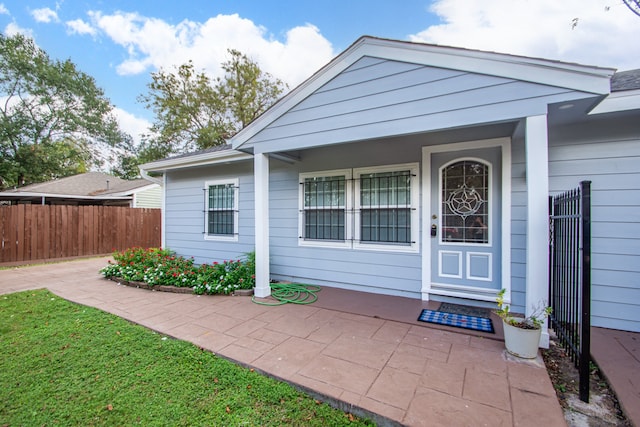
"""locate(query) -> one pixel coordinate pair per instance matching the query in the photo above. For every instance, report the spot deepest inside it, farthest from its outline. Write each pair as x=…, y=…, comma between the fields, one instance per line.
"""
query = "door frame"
x=505, y=154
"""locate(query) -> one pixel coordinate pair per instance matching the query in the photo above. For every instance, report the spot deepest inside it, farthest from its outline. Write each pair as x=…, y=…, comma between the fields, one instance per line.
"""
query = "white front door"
x=465, y=223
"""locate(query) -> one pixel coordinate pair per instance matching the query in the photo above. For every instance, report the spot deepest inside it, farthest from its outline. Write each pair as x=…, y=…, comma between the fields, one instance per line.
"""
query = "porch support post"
x=261, y=188
x=537, y=172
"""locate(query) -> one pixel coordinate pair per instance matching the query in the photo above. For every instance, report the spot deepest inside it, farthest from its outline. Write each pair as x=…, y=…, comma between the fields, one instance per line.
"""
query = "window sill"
x=221, y=238
x=413, y=248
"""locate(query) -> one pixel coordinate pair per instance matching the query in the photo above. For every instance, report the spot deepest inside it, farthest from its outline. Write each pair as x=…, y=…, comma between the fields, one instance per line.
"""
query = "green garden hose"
x=294, y=293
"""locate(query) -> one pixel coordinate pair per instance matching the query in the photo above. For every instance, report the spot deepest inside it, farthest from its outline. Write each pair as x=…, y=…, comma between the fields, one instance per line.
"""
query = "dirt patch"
x=603, y=408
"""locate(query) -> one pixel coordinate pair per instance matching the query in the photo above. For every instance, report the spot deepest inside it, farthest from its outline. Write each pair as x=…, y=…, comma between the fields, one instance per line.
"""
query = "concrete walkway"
x=617, y=354
x=398, y=373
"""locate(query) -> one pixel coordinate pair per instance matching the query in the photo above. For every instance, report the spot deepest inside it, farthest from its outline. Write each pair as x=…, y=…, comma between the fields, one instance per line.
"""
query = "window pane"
x=324, y=208
x=385, y=225
x=324, y=224
x=221, y=209
x=385, y=200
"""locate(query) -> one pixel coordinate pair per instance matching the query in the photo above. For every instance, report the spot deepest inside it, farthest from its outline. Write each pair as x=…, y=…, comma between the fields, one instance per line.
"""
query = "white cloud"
x=134, y=126
x=12, y=29
x=152, y=44
x=603, y=34
x=78, y=26
x=4, y=10
x=45, y=15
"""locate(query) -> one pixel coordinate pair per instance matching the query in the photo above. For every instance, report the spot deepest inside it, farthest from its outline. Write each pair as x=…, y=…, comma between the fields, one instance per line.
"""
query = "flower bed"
x=157, y=267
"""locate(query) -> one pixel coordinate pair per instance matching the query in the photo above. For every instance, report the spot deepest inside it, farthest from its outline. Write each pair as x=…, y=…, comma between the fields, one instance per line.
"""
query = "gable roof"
x=87, y=186
x=587, y=79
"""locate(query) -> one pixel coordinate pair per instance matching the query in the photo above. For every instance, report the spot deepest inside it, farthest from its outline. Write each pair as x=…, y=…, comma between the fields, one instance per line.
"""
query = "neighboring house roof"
x=625, y=80
x=87, y=186
x=625, y=93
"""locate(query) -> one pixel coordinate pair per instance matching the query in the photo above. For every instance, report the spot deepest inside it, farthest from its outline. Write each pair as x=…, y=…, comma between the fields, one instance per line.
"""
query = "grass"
x=66, y=364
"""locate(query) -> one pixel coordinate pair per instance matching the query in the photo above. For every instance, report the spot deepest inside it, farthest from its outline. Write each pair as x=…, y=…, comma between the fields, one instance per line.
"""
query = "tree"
x=54, y=120
x=193, y=111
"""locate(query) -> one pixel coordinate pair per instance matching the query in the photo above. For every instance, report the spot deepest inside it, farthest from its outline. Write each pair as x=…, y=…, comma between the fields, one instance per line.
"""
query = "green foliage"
x=156, y=266
x=533, y=321
x=194, y=112
x=54, y=120
x=66, y=364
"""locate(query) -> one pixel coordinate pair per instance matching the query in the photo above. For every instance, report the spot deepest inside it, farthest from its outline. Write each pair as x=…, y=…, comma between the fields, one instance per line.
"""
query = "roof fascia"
x=204, y=159
x=18, y=194
x=618, y=101
x=578, y=77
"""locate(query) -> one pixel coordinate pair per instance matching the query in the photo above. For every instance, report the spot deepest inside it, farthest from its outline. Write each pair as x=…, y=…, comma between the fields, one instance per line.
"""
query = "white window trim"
x=337, y=244
x=352, y=218
x=414, y=246
x=222, y=237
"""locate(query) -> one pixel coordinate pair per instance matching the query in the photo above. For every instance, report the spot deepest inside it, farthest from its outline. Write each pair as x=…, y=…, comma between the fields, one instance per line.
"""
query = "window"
x=377, y=209
x=387, y=207
x=221, y=213
x=324, y=203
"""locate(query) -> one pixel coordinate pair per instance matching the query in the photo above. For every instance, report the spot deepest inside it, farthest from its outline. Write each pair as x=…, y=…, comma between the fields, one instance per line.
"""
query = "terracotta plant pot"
x=521, y=342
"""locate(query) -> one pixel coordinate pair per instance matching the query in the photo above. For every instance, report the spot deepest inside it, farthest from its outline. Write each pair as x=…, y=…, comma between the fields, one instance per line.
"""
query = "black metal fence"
x=570, y=276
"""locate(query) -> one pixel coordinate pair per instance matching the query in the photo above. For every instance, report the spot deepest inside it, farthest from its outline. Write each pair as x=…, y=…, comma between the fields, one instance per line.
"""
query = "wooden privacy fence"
x=32, y=233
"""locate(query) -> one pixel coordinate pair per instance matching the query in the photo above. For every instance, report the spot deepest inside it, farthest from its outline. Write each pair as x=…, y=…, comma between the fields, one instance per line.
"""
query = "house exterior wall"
x=377, y=98
x=151, y=198
x=185, y=213
x=375, y=271
x=606, y=152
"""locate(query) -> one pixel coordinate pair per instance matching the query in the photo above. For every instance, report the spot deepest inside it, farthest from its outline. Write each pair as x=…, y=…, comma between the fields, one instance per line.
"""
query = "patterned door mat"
x=448, y=307
x=474, y=323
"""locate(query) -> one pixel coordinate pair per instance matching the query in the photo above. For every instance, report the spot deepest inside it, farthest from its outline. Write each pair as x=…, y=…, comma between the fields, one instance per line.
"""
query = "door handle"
x=434, y=230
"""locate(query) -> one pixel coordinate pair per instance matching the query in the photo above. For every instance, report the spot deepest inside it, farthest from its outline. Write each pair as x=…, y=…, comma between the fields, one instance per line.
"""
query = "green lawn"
x=66, y=364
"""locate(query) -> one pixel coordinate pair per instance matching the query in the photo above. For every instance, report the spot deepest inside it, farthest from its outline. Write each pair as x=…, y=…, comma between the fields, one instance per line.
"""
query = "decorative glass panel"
x=465, y=208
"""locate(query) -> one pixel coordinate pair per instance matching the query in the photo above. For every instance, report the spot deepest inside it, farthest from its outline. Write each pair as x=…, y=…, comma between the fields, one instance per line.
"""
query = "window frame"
x=353, y=207
x=234, y=182
x=326, y=243
x=414, y=206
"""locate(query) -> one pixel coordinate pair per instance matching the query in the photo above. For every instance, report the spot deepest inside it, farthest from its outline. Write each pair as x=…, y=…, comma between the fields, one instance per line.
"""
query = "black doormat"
x=474, y=323
x=465, y=309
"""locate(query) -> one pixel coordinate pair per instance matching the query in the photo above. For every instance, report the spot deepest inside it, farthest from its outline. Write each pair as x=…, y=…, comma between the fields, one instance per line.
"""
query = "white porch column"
x=537, y=167
x=261, y=188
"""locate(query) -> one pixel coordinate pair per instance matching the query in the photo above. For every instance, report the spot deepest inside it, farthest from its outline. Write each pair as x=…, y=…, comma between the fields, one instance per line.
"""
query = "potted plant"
x=521, y=334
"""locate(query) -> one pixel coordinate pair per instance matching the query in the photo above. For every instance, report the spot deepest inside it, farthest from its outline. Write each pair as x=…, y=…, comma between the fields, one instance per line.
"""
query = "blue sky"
x=120, y=43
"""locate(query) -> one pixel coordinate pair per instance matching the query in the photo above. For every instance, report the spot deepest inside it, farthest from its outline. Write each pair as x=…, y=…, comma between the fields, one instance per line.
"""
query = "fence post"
x=585, y=351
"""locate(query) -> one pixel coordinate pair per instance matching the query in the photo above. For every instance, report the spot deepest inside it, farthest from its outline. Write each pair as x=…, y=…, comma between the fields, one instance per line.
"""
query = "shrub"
x=156, y=266
x=226, y=277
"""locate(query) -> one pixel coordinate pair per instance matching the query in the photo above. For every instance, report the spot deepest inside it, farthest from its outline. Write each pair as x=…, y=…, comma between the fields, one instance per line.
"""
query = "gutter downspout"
x=145, y=175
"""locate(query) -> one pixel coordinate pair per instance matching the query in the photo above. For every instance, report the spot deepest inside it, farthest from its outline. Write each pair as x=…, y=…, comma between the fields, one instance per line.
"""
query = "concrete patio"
x=365, y=354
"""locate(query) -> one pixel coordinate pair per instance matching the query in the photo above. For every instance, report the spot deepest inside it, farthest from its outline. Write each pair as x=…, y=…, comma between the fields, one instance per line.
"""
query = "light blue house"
x=423, y=171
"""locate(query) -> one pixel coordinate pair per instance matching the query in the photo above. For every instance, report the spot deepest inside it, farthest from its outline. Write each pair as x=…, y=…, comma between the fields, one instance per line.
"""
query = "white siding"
x=151, y=198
